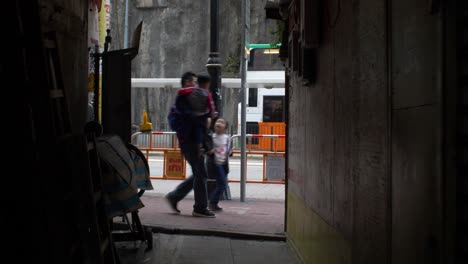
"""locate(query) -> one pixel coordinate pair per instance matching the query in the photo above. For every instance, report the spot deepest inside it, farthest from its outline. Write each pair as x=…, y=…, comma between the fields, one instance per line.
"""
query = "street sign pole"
x=244, y=59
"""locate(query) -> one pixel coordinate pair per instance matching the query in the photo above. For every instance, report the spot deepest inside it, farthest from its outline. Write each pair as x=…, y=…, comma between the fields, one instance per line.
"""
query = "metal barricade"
x=174, y=165
x=155, y=141
x=166, y=142
x=267, y=157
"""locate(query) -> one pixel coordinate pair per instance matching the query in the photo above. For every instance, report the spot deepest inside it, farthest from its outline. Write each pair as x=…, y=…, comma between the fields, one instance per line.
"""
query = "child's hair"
x=225, y=122
x=202, y=79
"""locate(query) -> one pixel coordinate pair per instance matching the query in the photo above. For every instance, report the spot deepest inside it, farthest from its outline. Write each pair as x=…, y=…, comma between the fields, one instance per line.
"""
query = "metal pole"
x=126, y=26
x=213, y=64
x=243, y=178
x=243, y=130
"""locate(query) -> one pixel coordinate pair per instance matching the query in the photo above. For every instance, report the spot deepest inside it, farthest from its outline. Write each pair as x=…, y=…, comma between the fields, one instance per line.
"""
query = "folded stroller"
x=125, y=176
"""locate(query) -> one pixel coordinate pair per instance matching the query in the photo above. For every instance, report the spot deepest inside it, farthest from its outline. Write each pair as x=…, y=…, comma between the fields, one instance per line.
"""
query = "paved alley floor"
x=183, y=249
x=257, y=217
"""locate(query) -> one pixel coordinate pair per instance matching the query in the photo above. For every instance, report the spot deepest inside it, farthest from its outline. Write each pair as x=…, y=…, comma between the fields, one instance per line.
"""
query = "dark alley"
x=268, y=131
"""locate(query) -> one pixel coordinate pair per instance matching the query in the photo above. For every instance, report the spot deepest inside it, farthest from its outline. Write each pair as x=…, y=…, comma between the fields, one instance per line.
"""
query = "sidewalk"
x=254, y=217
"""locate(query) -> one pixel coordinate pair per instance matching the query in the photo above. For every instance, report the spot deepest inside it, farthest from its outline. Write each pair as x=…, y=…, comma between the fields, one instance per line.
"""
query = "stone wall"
x=175, y=39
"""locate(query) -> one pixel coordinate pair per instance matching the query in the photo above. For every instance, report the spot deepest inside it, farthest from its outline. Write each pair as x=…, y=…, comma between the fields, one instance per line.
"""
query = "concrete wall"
x=368, y=189
x=176, y=35
x=175, y=39
x=417, y=80
x=338, y=195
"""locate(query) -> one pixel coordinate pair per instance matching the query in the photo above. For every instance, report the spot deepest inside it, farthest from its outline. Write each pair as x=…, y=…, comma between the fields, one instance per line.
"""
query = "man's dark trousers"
x=197, y=181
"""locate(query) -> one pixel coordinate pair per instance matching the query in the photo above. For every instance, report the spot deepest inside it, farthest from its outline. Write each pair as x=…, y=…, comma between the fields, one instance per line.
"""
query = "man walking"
x=193, y=105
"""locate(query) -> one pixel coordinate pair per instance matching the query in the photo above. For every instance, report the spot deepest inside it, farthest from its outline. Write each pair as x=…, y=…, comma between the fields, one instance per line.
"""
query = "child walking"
x=222, y=151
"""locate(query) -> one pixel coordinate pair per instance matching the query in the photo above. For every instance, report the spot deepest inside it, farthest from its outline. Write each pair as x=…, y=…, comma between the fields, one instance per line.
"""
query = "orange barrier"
x=274, y=128
x=174, y=165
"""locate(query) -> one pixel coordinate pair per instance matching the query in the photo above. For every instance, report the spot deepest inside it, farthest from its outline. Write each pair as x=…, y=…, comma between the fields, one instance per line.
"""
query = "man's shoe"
x=172, y=203
x=205, y=213
x=215, y=208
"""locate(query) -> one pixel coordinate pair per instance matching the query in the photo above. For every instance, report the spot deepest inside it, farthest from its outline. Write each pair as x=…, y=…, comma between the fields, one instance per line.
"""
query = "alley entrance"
x=150, y=95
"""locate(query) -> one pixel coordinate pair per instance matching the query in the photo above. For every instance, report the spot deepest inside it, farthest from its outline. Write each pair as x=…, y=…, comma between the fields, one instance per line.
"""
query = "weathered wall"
x=176, y=35
x=175, y=39
x=370, y=187
x=338, y=142
x=69, y=20
x=416, y=134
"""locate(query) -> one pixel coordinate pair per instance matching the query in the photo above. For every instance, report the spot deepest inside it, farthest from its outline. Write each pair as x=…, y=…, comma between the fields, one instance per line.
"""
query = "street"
x=254, y=167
